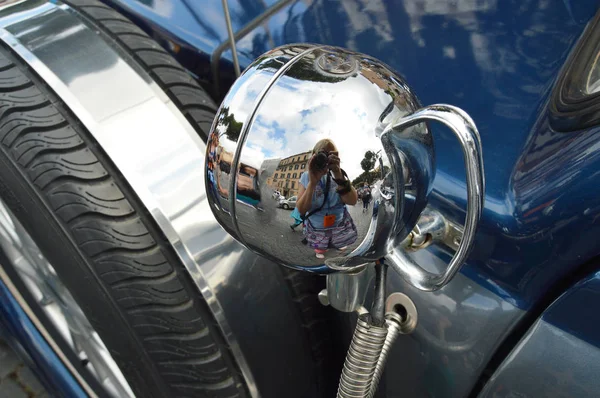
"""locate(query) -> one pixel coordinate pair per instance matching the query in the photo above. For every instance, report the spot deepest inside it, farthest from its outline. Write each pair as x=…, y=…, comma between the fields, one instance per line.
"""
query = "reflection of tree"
x=233, y=127
x=368, y=161
x=370, y=176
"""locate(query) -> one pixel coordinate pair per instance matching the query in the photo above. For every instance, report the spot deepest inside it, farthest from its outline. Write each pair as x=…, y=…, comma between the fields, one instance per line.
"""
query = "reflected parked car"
x=289, y=203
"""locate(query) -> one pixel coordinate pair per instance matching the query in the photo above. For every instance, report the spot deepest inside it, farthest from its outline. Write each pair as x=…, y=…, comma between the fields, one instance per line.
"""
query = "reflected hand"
x=334, y=164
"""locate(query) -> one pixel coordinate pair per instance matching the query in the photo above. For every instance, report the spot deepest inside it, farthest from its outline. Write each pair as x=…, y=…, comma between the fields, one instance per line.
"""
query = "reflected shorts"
x=340, y=236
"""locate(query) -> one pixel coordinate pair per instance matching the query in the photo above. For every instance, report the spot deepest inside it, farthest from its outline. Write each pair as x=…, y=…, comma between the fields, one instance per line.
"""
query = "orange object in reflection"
x=329, y=220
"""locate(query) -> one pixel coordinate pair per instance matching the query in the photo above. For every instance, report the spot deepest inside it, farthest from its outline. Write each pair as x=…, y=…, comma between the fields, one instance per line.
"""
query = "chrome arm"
x=236, y=63
x=466, y=132
x=234, y=37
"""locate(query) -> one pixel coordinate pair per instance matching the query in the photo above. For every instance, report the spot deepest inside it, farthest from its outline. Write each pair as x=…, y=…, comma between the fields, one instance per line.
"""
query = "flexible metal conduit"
x=362, y=358
x=393, y=321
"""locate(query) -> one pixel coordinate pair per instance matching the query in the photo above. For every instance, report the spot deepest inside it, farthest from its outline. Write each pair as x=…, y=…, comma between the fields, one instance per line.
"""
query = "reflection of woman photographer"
x=324, y=193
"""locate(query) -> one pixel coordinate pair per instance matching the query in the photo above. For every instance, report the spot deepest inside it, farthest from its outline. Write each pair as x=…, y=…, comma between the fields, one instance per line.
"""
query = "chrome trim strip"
x=167, y=173
x=235, y=163
x=42, y=330
x=236, y=62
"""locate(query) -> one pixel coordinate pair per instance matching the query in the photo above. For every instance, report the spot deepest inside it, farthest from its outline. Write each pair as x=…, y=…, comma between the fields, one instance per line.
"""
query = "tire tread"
x=165, y=71
x=68, y=172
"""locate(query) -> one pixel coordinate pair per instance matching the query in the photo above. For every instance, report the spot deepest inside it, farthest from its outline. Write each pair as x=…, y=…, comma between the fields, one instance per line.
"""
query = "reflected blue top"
x=334, y=203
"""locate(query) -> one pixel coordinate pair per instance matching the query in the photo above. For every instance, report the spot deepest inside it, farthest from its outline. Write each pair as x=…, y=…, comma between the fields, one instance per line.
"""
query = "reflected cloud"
x=315, y=146
x=307, y=113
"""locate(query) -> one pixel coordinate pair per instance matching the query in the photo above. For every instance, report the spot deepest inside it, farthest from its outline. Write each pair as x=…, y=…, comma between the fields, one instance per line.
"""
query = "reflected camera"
x=320, y=161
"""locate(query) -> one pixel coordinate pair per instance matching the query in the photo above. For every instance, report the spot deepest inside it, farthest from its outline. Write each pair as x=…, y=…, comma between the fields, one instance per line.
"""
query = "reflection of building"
x=224, y=160
x=269, y=166
x=286, y=179
x=248, y=190
x=378, y=75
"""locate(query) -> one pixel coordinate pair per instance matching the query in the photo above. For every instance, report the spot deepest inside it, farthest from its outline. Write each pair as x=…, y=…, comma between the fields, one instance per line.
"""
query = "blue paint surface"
x=576, y=311
x=496, y=59
x=18, y=329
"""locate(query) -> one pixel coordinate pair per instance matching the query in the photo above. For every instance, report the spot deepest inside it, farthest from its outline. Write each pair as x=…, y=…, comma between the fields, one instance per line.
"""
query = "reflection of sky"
x=295, y=115
x=275, y=133
x=243, y=96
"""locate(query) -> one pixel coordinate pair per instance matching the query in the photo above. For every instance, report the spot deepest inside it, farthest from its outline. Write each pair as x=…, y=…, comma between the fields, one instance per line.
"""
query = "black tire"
x=317, y=322
x=103, y=243
x=285, y=206
x=196, y=104
x=321, y=328
x=201, y=365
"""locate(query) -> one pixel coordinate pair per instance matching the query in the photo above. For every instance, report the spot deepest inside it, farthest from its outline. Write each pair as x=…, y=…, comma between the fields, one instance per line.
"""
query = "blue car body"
x=530, y=281
x=498, y=60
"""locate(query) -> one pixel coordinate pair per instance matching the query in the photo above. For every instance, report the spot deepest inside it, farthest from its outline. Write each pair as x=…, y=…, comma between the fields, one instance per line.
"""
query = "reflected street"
x=333, y=138
x=279, y=239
